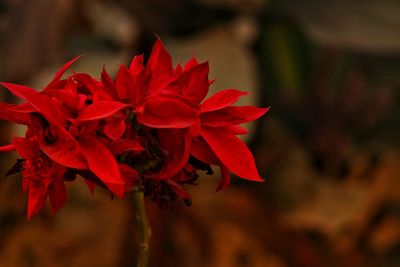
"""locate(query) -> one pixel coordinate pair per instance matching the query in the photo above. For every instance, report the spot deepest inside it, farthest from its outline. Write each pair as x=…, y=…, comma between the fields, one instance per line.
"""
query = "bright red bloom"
x=149, y=128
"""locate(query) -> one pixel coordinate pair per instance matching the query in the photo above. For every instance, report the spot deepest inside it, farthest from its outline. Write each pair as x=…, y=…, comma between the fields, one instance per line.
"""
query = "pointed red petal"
x=7, y=148
x=100, y=109
x=165, y=111
x=232, y=152
x=114, y=128
x=22, y=108
x=225, y=178
x=108, y=84
x=197, y=87
x=178, y=189
x=8, y=113
x=91, y=186
x=57, y=194
x=136, y=65
x=232, y=115
x=64, y=68
x=124, y=83
x=222, y=99
x=202, y=151
x=191, y=63
x=49, y=109
x=64, y=149
x=160, y=62
x=176, y=143
x=124, y=145
x=36, y=199
x=102, y=163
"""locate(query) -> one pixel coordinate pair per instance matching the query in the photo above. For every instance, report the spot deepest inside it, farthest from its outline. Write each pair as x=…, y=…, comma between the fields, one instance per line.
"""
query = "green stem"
x=145, y=229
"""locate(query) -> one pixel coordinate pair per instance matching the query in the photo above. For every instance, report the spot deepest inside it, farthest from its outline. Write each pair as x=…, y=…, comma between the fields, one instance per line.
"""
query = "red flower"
x=139, y=86
x=68, y=121
x=150, y=128
x=42, y=177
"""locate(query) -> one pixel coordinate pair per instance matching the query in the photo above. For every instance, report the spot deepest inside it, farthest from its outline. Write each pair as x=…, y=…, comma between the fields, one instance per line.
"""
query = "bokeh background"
x=328, y=148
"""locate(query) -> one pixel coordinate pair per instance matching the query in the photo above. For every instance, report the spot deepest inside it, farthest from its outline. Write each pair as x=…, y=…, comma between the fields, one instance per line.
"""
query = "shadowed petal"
x=225, y=179
x=108, y=84
x=40, y=102
x=202, y=151
x=114, y=128
x=176, y=143
x=124, y=145
x=36, y=199
x=100, y=109
x=8, y=113
x=166, y=112
x=57, y=194
x=25, y=148
x=197, y=87
x=64, y=149
x=102, y=163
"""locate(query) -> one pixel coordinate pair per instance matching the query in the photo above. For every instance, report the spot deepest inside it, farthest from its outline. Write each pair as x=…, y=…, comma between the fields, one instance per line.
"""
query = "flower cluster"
x=150, y=128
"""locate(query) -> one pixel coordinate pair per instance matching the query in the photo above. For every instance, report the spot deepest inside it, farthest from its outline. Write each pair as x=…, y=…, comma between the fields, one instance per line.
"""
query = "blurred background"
x=328, y=148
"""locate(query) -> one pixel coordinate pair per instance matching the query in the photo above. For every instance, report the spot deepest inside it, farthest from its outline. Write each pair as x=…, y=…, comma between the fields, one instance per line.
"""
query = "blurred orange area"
x=328, y=148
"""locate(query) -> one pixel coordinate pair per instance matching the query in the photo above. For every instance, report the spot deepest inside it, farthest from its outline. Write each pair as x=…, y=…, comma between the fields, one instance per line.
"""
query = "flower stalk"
x=145, y=228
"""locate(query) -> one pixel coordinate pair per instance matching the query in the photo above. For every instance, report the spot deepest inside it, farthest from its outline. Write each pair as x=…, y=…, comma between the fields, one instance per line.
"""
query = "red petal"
x=22, y=108
x=165, y=111
x=25, y=148
x=222, y=99
x=7, y=148
x=124, y=145
x=225, y=178
x=232, y=152
x=160, y=62
x=8, y=113
x=91, y=185
x=176, y=143
x=124, y=83
x=87, y=82
x=202, y=151
x=191, y=63
x=136, y=65
x=100, y=109
x=178, y=189
x=36, y=199
x=114, y=128
x=232, y=115
x=235, y=129
x=65, y=96
x=65, y=149
x=102, y=163
x=64, y=68
x=197, y=87
x=108, y=84
x=40, y=102
x=57, y=194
